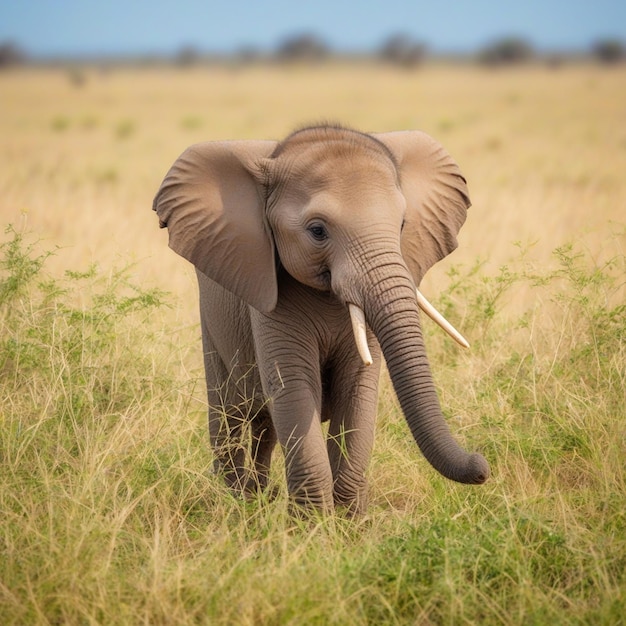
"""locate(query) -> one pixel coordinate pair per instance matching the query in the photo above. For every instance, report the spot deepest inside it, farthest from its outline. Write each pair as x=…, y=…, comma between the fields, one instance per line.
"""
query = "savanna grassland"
x=108, y=511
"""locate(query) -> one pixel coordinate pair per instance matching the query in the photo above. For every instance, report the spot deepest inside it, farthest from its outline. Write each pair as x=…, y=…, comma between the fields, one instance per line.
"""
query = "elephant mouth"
x=324, y=278
x=357, y=317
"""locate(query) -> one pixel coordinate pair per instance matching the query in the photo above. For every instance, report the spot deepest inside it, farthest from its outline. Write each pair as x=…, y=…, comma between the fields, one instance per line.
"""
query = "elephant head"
x=363, y=216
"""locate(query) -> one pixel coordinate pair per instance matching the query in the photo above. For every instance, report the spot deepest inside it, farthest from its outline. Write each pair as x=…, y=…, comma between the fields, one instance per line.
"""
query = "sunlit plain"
x=84, y=152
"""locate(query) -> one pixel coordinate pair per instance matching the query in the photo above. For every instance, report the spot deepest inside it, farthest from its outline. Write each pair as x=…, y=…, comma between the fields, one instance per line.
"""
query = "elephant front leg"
x=263, y=443
x=226, y=428
x=296, y=417
x=288, y=359
x=228, y=422
x=351, y=405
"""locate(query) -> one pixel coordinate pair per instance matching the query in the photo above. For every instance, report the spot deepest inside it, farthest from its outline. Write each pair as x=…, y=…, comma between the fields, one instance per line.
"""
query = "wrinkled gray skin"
x=284, y=236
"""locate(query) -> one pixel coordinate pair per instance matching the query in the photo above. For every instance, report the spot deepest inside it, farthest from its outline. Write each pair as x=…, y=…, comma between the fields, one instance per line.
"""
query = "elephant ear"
x=212, y=203
x=436, y=195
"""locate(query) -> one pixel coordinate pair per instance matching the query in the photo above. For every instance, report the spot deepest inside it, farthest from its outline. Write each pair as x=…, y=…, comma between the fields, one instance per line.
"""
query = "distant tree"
x=608, y=51
x=10, y=54
x=305, y=47
x=506, y=51
x=403, y=50
x=77, y=77
x=248, y=54
x=556, y=60
x=187, y=56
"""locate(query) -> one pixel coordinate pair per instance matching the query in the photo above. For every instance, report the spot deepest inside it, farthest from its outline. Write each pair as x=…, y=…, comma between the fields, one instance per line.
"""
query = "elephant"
x=308, y=254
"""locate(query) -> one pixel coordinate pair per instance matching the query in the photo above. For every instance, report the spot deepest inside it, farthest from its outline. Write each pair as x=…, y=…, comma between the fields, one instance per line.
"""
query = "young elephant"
x=301, y=247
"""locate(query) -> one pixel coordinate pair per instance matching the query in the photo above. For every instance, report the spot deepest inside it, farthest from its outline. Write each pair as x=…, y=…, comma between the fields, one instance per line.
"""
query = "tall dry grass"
x=108, y=511
x=543, y=150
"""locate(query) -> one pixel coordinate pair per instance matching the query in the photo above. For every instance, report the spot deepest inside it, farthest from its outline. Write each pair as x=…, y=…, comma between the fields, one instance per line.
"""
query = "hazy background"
x=86, y=28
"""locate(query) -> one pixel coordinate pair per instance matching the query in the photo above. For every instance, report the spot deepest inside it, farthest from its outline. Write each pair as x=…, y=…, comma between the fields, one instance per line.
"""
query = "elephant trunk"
x=391, y=311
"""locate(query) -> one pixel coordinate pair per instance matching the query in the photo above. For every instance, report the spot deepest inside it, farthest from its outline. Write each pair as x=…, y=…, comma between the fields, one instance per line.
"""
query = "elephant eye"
x=318, y=232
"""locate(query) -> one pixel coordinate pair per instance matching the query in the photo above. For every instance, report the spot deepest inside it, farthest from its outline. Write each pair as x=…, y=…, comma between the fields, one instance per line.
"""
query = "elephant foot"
x=253, y=491
x=312, y=513
x=243, y=486
x=354, y=508
x=351, y=511
x=351, y=500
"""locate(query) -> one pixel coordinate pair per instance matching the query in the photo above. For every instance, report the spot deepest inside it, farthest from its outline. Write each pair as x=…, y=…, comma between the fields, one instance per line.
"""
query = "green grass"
x=109, y=513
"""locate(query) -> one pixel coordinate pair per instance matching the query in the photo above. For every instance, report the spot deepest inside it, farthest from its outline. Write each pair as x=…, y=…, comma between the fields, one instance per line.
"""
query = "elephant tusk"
x=434, y=315
x=357, y=317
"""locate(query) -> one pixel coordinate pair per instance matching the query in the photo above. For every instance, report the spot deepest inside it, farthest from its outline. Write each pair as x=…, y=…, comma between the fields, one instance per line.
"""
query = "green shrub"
x=67, y=334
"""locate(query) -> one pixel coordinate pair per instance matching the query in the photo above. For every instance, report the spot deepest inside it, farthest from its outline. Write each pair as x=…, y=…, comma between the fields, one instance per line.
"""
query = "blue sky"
x=60, y=27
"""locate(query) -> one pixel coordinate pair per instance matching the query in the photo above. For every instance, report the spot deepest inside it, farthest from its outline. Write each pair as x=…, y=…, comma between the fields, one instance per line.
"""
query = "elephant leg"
x=288, y=345
x=226, y=433
x=263, y=442
x=228, y=423
x=351, y=404
x=296, y=416
x=293, y=386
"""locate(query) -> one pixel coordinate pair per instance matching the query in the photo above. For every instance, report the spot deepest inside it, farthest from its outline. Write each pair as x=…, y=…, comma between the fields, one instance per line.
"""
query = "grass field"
x=108, y=511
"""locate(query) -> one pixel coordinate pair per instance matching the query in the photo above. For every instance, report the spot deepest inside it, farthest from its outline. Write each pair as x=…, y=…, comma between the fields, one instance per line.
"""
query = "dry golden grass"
x=544, y=150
